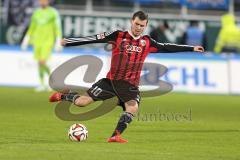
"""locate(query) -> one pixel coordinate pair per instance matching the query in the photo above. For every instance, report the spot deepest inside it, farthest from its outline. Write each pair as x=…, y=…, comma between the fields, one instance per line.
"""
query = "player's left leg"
x=131, y=108
x=129, y=99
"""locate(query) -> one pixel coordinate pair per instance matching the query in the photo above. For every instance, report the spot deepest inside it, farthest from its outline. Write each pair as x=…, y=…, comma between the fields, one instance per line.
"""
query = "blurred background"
x=193, y=22
x=200, y=116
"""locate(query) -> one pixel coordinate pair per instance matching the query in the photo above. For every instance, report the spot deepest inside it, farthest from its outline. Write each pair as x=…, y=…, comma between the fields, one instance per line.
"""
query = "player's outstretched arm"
x=170, y=47
x=80, y=41
x=99, y=38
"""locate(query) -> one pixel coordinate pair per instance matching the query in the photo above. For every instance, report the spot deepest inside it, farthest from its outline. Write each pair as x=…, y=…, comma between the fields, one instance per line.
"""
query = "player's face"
x=138, y=26
x=44, y=3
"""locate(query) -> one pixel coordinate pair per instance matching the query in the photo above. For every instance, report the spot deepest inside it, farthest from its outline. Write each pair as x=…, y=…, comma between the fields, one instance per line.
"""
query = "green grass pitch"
x=205, y=127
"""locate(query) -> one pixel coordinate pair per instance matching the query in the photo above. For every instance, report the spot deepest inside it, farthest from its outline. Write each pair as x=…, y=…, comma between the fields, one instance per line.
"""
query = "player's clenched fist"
x=198, y=49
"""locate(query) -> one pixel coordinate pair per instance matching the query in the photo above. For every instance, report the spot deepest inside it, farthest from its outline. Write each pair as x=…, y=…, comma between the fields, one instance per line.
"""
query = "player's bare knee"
x=131, y=103
x=131, y=106
x=134, y=109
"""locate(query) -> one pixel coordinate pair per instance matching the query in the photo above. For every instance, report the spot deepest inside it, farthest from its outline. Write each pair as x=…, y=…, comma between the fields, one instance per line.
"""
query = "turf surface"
x=197, y=127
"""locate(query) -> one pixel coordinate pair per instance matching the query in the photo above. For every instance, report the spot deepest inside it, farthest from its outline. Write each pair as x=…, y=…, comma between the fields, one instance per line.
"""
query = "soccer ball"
x=78, y=132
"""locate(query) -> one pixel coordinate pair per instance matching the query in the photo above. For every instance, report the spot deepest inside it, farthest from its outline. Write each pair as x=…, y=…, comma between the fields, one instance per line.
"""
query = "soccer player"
x=44, y=31
x=128, y=55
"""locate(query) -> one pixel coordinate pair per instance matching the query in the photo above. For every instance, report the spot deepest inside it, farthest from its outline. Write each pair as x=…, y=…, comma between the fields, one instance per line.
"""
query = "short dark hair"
x=141, y=15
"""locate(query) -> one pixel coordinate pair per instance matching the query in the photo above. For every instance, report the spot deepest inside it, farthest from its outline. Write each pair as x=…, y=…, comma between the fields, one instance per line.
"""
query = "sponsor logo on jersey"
x=132, y=48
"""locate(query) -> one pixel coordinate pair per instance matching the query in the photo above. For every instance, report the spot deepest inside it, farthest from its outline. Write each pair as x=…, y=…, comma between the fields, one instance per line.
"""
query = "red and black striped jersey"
x=128, y=52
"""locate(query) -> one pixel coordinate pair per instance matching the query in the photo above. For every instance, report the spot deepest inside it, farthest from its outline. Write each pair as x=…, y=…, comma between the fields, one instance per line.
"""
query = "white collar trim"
x=129, y=32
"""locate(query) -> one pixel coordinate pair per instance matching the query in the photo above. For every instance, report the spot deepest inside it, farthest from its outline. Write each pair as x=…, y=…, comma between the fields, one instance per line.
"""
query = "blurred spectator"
x=17, y=14
x=162, y=33
x=229, y=36
x=194, y=35
x=20, y=11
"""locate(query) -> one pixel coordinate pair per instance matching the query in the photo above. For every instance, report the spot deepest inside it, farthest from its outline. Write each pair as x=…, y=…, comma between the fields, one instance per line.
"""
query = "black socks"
x=71, y=97
x=123, y=122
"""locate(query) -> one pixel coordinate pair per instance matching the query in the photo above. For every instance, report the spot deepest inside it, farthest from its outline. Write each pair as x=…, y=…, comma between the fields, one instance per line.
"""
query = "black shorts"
x=106, y=89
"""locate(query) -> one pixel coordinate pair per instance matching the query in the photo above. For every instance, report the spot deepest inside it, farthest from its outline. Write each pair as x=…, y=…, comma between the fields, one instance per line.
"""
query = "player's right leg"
x=101, y=90
x=73, y=97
